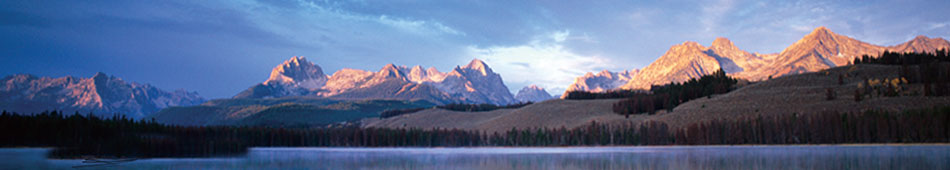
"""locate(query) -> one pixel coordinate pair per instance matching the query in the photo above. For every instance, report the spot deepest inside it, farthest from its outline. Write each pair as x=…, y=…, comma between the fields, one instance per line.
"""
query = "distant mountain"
x=472, y=83
x=921, y=44
x=602, y=81
x=100, y=94
x=820, y=49
x=532, y=93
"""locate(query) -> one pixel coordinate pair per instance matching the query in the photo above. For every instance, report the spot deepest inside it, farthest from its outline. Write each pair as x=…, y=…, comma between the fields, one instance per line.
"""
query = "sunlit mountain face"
x=472, y=83
x=101, y=94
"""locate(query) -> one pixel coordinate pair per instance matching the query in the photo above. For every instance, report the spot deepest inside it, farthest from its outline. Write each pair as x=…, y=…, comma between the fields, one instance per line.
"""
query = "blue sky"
x=219, y=48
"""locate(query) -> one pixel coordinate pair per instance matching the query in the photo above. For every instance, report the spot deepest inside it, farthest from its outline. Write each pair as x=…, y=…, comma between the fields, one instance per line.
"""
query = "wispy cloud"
x=418, y=26
x=932, y=26
x=552, y=66
x=407, y=24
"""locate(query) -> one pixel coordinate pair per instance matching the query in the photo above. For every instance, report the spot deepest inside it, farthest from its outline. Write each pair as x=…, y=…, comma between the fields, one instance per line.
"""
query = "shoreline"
x=583, y=146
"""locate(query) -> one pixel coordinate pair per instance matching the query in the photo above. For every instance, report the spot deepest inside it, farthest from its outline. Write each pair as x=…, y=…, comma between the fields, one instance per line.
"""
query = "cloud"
x=418, y=26
x=544, y=62
x=713, y=14
x=932, y=26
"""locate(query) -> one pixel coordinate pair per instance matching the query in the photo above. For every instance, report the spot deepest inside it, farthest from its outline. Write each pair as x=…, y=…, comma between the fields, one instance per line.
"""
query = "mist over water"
x=674, y=157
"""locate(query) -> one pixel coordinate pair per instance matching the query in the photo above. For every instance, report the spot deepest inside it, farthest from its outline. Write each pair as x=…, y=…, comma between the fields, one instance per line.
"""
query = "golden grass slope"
x=788, y=95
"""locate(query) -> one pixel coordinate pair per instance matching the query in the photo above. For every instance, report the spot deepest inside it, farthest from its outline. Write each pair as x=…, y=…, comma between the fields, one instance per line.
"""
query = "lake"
x=666, y=157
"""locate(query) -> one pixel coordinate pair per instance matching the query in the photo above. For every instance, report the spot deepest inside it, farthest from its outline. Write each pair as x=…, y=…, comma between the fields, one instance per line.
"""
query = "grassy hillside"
x=282, y=112
x=795, y=95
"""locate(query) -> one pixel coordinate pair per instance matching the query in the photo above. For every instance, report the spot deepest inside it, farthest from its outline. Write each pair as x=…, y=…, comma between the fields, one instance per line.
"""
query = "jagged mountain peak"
x=478, y=65
x=472, y=83
x=722, y=42
x=390, y=66
x=295, y=76
x=417, y=68
x=823, y=36
x=604, y=72
x=298, y=71
x=432, y=70
x=819, y=36
x=391, y=71
x=689, y=44
x=418, y=74
x=821, y=30
x=101, y=79
x=475, y=63
x=296, y=60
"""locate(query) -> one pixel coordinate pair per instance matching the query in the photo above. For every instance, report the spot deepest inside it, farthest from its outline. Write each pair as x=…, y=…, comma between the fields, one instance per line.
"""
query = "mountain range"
x=472, y=83
x=820, y=49
x=100, y=94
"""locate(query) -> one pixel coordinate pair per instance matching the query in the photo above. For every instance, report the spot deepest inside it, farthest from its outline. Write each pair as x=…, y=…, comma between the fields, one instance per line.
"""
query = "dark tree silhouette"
x=668, y=96
x=77, y=135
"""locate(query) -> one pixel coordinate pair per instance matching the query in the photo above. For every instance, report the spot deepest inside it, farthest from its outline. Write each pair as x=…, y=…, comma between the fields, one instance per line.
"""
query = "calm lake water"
x=676, y=157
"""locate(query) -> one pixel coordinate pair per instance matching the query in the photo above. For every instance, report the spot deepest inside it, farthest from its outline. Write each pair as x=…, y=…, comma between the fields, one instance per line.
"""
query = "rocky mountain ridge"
x=472, y=83
x=820, y=49
x=100, y=94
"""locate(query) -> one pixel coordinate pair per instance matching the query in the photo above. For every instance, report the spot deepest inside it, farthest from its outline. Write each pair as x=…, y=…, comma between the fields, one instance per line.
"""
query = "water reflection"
x=716, y=157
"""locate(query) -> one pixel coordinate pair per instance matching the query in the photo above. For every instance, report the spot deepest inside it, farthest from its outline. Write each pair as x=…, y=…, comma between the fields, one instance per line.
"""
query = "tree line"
x=78, y=135
x=610, y=94
x=662, y=97
x=455, y=107
x=930, y=69
x=481, y=107
x=667, y=97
